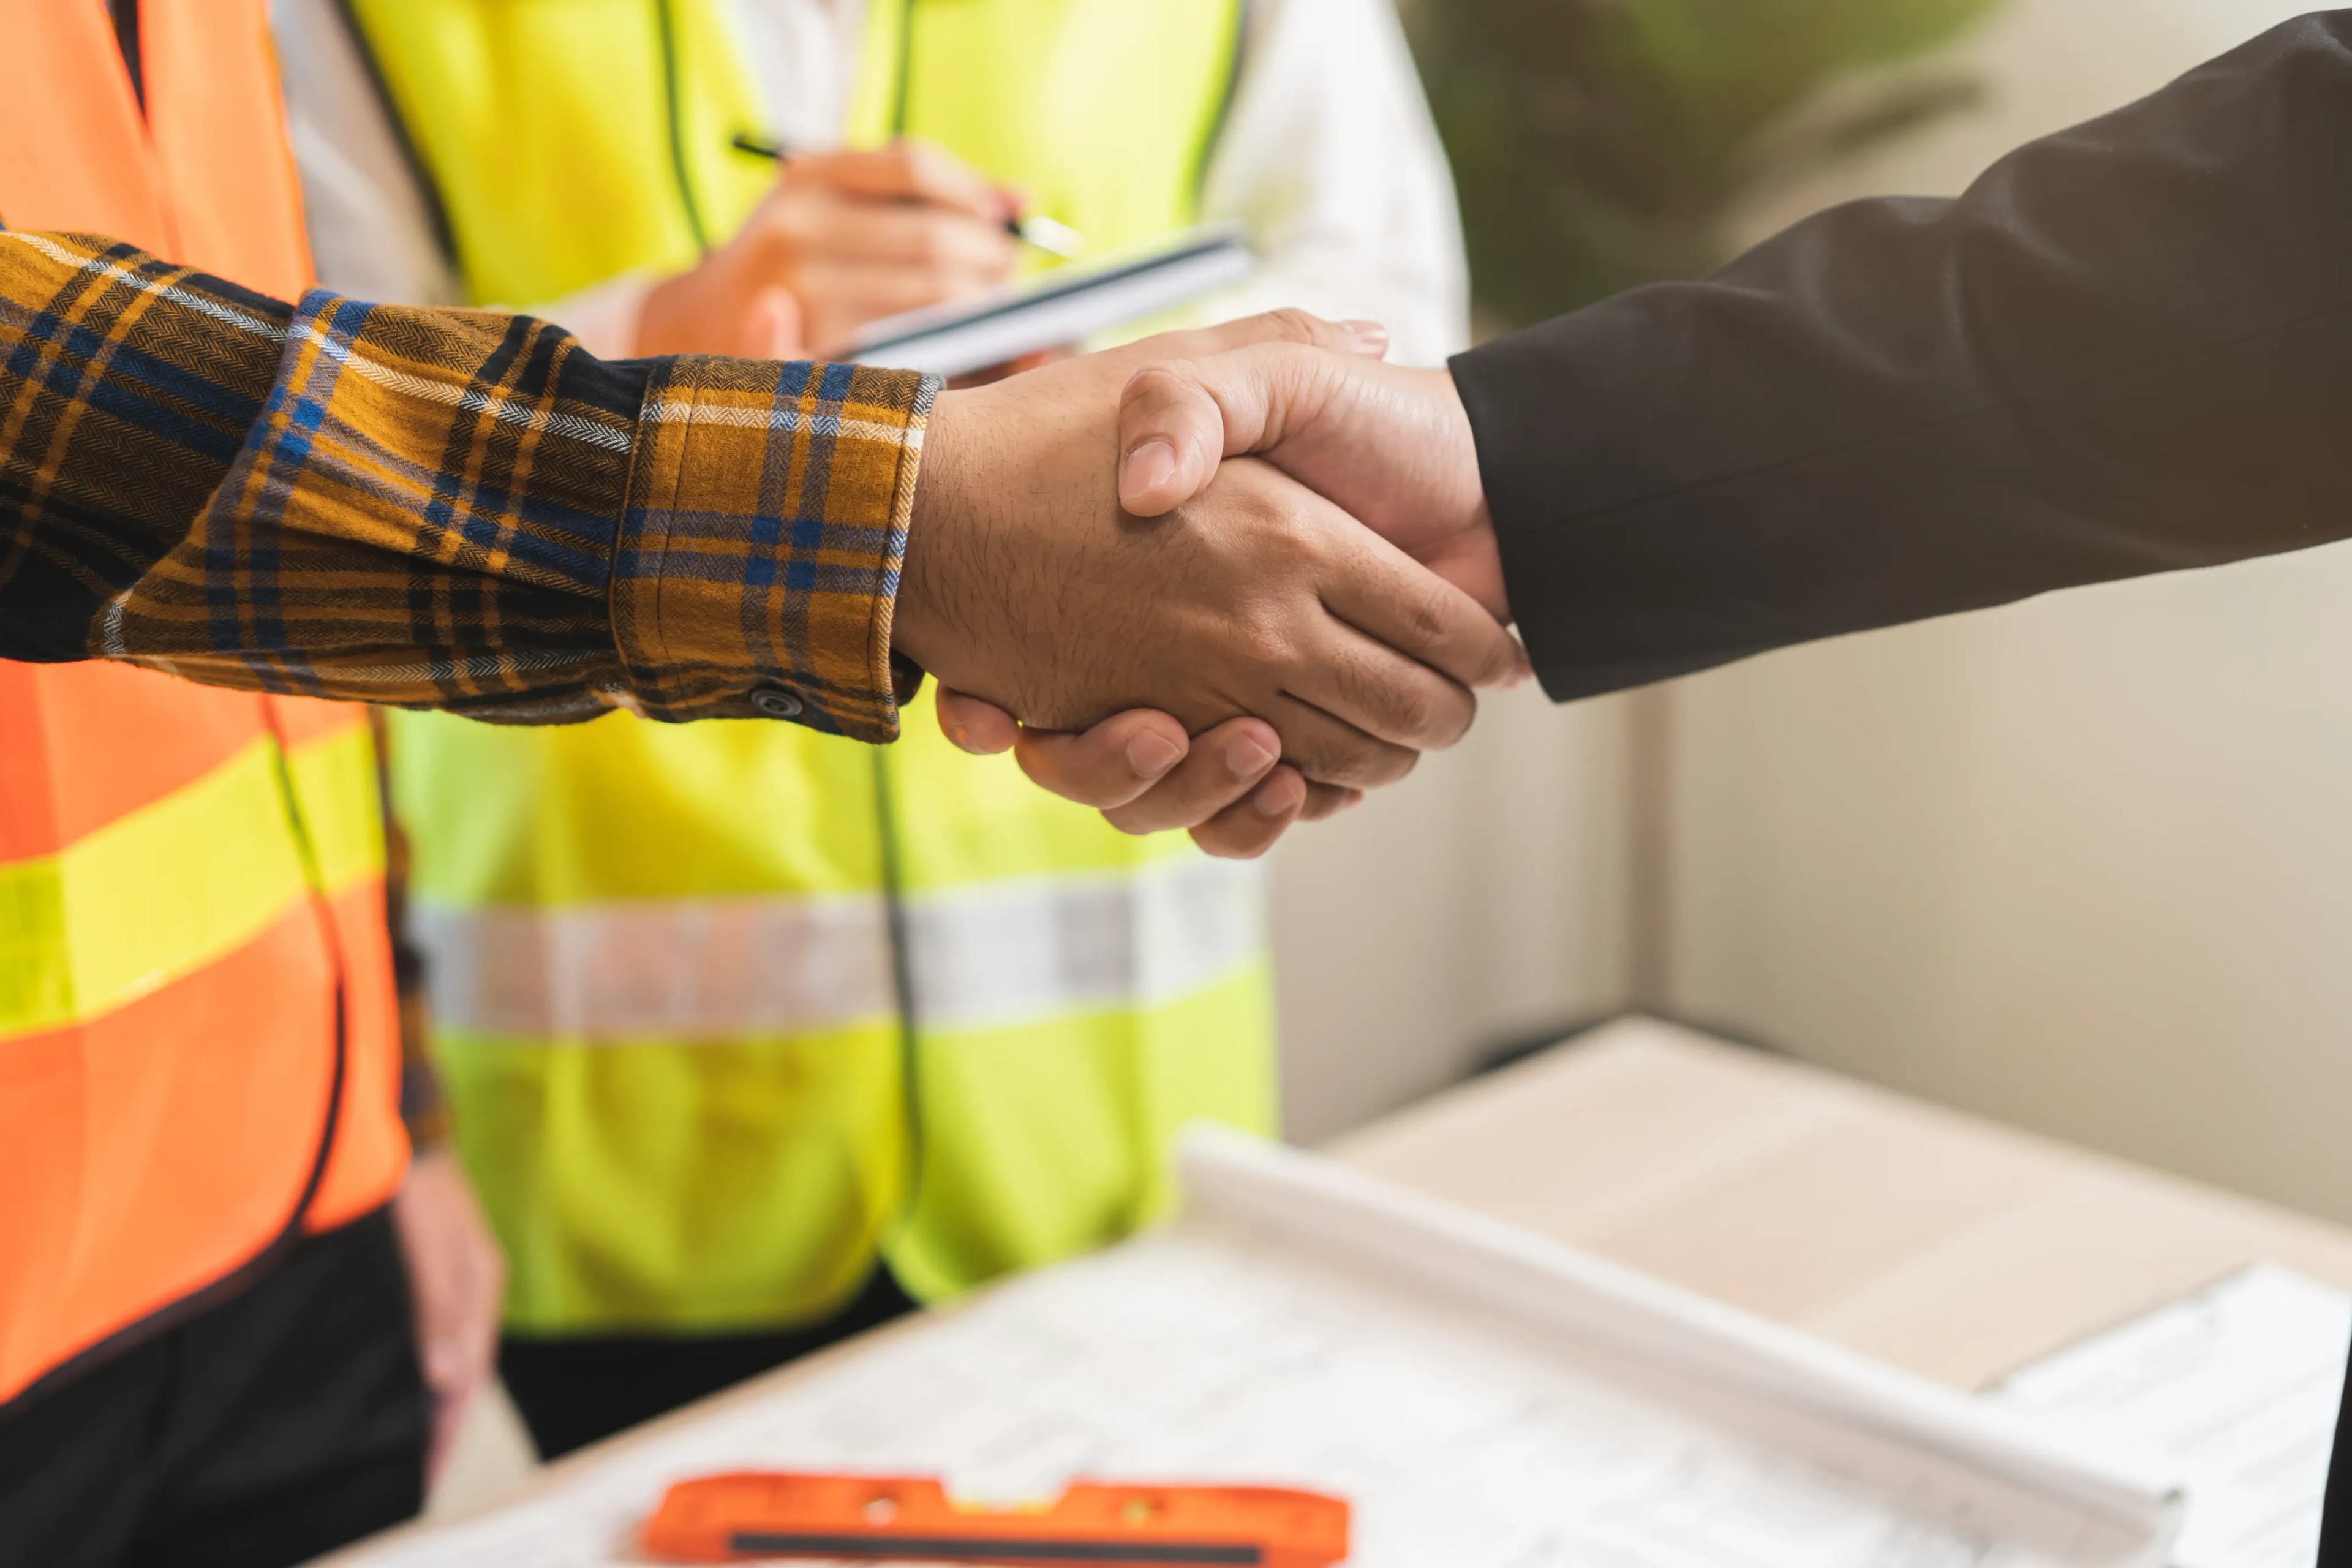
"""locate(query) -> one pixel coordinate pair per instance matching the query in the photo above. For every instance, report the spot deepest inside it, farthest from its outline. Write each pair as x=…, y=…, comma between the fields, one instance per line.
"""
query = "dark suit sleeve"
x=2127, y=349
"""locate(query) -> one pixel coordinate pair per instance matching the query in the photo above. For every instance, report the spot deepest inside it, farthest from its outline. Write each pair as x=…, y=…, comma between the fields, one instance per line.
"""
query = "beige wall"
x=2081, y=864
x=2084, y=864
x=1479, y=900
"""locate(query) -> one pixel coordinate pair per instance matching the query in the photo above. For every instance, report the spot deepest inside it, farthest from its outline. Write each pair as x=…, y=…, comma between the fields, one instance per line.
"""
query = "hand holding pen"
x=1049, y=235
x=844, y=238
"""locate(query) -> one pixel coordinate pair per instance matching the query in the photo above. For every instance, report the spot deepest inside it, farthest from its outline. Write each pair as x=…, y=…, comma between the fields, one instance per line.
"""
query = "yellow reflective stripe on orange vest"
x=341, y=800
x=161, y=892
x=984, y=955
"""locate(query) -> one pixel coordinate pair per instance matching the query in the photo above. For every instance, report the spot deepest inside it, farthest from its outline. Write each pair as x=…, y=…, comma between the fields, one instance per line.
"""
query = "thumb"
x=974, y=725
x=1179, y=419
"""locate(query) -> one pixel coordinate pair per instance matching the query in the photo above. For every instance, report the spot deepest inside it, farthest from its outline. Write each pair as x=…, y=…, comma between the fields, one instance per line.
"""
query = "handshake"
x=1265, y=567
x=1216, y=580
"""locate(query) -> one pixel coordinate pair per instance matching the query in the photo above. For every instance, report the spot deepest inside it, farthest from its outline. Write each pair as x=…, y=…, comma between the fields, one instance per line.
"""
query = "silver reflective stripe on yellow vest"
x=992, y=954
x=665, y=1000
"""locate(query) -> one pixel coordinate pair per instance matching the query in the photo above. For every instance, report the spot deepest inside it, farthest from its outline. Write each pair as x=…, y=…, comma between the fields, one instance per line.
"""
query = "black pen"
x=1048, y=234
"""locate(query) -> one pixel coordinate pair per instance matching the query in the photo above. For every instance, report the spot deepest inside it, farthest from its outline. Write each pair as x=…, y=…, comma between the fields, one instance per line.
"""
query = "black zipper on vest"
x=665, y=22
x=1244, y=13
x=902, y=80
x=428, y=189
x=437, y=205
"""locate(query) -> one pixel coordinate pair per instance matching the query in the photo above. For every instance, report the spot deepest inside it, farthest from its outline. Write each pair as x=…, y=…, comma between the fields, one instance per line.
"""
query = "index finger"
x=915, y=170
x=1289, y=325
x=1109, y=765
x=1249, y=827
x=1393, y=599
x=974, y=725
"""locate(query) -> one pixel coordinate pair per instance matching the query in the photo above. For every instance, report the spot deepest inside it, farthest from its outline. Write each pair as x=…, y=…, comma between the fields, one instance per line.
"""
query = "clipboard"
x=1067, y=305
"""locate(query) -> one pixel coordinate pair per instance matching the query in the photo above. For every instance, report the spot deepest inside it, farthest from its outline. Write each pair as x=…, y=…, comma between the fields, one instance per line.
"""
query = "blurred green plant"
x=1597, y=144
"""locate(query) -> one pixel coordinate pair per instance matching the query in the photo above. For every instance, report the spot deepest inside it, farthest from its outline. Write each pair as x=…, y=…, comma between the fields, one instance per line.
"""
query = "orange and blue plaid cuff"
x=446, y=509
x=765, y=530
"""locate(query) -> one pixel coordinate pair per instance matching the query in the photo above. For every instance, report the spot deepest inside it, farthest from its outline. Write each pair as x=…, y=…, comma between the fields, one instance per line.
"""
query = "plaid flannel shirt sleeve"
x=441, y=509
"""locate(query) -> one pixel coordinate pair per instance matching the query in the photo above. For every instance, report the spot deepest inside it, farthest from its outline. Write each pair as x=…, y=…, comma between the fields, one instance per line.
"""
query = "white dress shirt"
x=1327, y=154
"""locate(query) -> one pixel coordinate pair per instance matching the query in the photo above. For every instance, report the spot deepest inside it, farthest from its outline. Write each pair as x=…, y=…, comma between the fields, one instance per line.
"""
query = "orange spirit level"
x=772, y=1513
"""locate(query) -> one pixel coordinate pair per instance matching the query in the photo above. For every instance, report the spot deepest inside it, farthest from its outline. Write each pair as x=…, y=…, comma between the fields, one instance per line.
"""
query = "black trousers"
x=282, y=1424
x=575, y=1390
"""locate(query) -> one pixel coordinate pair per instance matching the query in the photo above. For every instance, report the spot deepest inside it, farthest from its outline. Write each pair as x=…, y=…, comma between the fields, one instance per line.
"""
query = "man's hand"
x=1026, y=586
x=456, y=1284
x=1391, y=446
x=1226, y=788
x=844, y=239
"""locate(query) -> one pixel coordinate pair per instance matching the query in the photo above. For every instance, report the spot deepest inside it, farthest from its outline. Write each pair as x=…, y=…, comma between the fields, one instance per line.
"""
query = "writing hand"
x=843, y=240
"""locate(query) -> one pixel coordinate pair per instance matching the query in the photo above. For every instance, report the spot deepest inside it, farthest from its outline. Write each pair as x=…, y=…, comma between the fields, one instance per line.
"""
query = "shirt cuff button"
x=776, y=704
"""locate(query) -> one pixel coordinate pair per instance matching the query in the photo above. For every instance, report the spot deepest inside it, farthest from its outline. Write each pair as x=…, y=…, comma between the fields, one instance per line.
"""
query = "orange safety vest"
x=199, y=1046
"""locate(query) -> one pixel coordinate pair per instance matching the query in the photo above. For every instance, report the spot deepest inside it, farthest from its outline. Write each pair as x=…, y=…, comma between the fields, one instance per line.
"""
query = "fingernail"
x=1247, y=758
x=1279, y=795
x=1149, y=466
x=956, y=733
x=1372, y=337
x=1151, y=753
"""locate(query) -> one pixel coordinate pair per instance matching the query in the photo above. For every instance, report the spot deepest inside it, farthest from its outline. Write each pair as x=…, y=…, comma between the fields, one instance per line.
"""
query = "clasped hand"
x=1217, y=580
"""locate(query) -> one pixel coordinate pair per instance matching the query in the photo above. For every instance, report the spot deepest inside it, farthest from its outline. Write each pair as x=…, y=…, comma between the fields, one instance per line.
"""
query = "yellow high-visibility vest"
x=667, y=996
